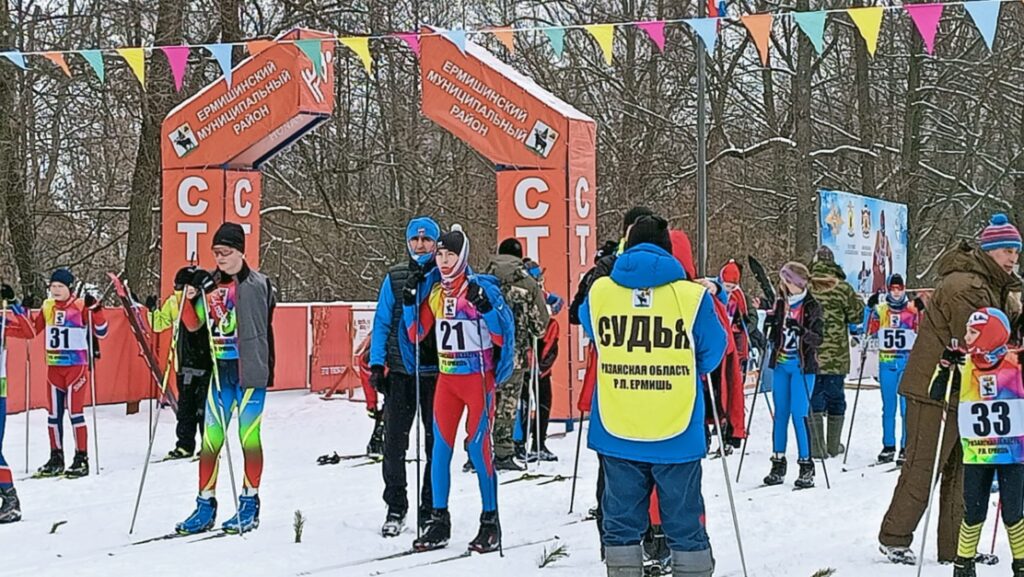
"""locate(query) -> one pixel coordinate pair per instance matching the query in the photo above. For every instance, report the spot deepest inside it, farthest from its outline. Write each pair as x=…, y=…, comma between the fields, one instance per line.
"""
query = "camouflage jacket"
x=526, y=298
x=841, y=307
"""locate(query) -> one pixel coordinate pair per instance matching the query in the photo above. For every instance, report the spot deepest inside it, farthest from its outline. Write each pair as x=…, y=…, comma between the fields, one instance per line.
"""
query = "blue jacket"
x=499, y=319
x=386, y=325
x=648, y=266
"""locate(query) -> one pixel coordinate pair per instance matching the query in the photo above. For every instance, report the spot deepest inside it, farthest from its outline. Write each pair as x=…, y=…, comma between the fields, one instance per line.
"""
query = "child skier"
x=797, y=328
x=475, y=336
x=65, y=320
x=13, y=324
x=991, y=397
x=241, y=305
x=894, y=323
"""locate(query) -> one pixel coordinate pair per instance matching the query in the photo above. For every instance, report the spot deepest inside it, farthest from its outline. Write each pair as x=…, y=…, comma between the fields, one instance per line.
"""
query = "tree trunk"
x=910, y=153
x=805, y=194
x=865, y=115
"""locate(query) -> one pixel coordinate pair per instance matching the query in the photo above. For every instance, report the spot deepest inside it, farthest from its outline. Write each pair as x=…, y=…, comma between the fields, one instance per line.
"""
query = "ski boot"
x=520, y=451
x=963, y=567
x=437, y=533
x=902, y=458
x=806, y=478
x=247, y=518
x=201, y=519
x=887, y=455
x=778, y=472
x=1018, y=567
x=898, y=555
x=54, y=467
x=657, y=555
x=375, y=448
x=178, y=453
x=986, y=559
x=468, y=467
x=488, y=538
x=544, y=455
x=393, y=525
x=10, y=507
x=508, y=463
x=79, y=467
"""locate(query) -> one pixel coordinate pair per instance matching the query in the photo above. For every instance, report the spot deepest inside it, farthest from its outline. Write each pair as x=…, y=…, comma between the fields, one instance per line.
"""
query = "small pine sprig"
x=826, y=572
x=298, y=525
x=56, y=526
x=553, y=556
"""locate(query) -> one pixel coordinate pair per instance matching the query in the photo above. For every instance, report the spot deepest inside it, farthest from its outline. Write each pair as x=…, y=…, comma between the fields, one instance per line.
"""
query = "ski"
x=555, y=479
x=139, y=332
x=335, y=458
x=166, y=537
x=217, y=535
x=527, y=477
x=463, y=555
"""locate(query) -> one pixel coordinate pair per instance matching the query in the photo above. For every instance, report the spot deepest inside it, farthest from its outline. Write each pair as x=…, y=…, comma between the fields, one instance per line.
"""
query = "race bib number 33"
x=992, y=432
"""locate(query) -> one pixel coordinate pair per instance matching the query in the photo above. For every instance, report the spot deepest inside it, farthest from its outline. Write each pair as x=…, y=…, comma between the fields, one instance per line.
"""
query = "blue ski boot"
x=201, y=519
x=248, y=516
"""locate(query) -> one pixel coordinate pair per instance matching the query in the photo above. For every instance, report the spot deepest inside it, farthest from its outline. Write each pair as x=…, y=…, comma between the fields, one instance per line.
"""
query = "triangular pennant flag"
x=813, y=26
x=412, y=40
x=458, y=36
x=17, y=58
x=222, y=54
x=254, y=47
x=177, y=58
x=869, y=22
x=605, y=36
x=507, y=36
x=136, y=59
x=985, y=14
x=556, y=36
x=95, y=60
x=926, y=18
x=707, y=30
x=311, y=48
x=760, y=28
x=58, y=59
x=361, y=46
x=656, y=30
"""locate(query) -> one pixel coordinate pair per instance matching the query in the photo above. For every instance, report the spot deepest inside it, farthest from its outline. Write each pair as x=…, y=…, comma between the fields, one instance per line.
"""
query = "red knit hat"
x=730, y=273
x=994, y=328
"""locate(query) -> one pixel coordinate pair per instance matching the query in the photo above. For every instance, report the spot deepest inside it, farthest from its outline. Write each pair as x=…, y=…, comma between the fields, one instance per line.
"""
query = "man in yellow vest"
x=657, y=336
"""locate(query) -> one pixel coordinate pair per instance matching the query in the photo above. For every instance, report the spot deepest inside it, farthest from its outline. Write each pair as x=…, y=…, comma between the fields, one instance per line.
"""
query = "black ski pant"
x=399, y=417
x=978, y=491
x=193, y=385
x=545, y=413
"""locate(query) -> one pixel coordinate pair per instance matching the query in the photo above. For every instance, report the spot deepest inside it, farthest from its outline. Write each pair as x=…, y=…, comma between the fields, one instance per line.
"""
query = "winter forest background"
x=79, y=174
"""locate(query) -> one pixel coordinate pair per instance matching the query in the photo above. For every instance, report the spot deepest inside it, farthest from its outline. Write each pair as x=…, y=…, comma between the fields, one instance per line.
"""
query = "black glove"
x=919, y=304
x=476, y=295
x=91, y=303
x=873, y=301
x=151, y=303
x=952, y=357
x=793, y=325
x=412, y=286
x=7, y=292
x=29, y=302
x=203, y=281
x=183, y=277
x=377, y=379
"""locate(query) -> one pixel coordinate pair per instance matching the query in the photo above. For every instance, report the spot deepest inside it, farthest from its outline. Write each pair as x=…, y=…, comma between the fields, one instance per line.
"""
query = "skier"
x=16, y=324
x=375, y=447
x=894, y=323
x=796, y=331
x=65, y=320
x=547, y=355
x=525, y=298
x=470, y=318
x=192, y=364
x=991, y=398
x=736, y=307
x=649, y=430
x=238, y=303
x=392, y=350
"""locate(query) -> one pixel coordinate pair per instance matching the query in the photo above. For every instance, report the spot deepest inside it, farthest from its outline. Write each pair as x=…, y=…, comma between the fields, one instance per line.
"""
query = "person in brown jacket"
x=970, y=277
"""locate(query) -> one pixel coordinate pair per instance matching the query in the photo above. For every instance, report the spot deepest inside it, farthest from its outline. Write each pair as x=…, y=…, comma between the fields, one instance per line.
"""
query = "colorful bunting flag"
x=507, y=36
x=458, y=36
x=361, y=46
x=412, y=40
x=926, y=18
x=177, y=58
x=985, y=14
x=556, y=36
x=254, y=47
x=605, y=36
x=869, y=22
x=136, y=59
x=95, y=60
x=58, y=59
x=312, y=48
x=760, y=28
x=707, y=31
x=813, y=26
x=656, y=30
x=222, y=54
x=17, y=58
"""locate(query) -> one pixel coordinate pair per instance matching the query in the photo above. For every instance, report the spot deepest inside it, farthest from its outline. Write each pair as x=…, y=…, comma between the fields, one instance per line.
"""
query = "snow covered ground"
x=786, y=533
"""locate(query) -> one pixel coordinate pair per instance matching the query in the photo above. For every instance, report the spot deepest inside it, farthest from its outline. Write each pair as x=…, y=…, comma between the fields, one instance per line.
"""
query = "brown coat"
x=968, y=280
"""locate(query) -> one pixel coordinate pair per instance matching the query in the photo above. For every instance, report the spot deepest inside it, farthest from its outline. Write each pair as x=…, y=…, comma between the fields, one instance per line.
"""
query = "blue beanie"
x=63, y=276
x=423, y=226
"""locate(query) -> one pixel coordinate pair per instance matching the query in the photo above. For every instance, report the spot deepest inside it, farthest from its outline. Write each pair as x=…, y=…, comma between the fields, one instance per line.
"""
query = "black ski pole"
x=856, y=396
x=753, y=406
x=725, y=471
x=418, y=422
x=576, y=462
x=807, y=417
x=490, y=429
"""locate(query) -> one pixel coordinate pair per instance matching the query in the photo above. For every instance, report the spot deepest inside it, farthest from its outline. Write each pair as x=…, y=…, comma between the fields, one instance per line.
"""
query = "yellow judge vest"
x=646, y=369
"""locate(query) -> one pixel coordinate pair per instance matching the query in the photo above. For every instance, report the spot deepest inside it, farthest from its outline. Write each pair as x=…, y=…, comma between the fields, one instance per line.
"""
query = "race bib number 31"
x=65, y=339
x=992, y=432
